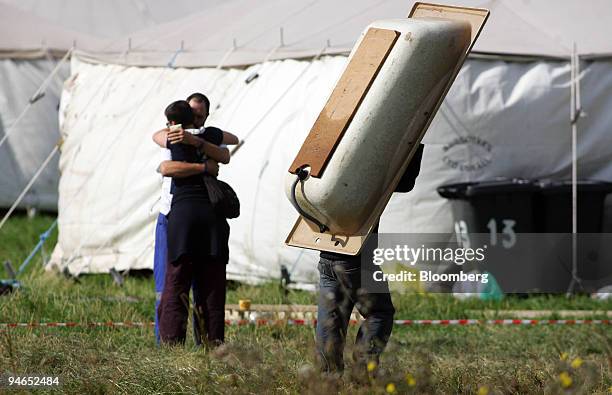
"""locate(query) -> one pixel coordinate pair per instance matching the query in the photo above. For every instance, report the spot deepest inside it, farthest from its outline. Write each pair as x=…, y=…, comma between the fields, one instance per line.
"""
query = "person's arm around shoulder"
x=160, y=137
x=176, y=169
x=211, y=138
x=180, y=136
x=229, y=138
x=164, y=136
x=219, y=154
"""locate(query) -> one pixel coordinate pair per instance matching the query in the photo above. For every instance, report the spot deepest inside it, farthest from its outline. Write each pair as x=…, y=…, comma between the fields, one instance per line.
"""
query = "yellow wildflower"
x=564, y=356
x=410, y=380
x=484, y=390
x=566, y=380
x=371, y=366
x=390, y=388
x=577, y=362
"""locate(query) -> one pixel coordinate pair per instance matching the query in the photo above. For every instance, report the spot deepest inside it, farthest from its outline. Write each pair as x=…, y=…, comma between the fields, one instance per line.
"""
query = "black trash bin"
x=533, y=221
x=554, y=206
x=500, y=216
x=554, y=218
x=489, y=206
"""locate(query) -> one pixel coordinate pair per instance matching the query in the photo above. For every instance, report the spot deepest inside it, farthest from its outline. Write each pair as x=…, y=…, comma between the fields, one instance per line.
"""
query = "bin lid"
x=471, y=189
x=565, y=186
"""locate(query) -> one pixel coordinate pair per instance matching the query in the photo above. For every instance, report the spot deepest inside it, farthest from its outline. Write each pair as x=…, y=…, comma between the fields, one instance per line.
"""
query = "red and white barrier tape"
x=502, y=322
x=464, y=322
x=126, y=324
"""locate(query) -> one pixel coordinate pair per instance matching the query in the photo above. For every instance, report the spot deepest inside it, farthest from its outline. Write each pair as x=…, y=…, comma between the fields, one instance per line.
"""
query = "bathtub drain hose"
x=301, y=176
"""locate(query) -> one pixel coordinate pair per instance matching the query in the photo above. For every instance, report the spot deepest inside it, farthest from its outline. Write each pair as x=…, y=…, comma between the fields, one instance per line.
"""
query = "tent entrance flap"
x=362, y=169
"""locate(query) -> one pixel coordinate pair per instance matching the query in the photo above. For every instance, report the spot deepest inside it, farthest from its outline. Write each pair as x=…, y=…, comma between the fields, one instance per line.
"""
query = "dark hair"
x=200, y=98
x=179, y=112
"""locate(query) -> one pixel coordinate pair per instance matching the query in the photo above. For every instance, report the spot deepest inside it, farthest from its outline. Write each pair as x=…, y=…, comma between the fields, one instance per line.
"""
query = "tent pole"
x=575, y=112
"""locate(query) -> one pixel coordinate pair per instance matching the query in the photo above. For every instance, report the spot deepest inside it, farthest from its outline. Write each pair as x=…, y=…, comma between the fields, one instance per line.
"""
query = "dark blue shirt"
x=189, y=153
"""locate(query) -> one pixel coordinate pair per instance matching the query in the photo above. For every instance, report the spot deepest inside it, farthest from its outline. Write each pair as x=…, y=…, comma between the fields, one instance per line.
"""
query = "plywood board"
x=303, y=233
x=344, y=101
x=476, y=17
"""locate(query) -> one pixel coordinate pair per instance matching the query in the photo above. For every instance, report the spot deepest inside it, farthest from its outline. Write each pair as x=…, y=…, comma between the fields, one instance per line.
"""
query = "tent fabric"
x=32, y=34
x=507, y=119
x=109, y=19
x=23, y=35
x=251, y=31
x=34, y=29
x=491, y=124
x=28, y=145
x=109, y=188
x=28, y=45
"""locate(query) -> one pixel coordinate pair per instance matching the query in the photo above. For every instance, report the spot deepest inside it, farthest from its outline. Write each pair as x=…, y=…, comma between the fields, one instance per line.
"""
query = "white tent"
x=34, y=36
x=109, y=19
x=29, y=99
x=248, y=30
x=506, y=115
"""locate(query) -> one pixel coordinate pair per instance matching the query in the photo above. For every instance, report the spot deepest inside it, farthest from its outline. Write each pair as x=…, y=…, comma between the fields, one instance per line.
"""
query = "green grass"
x=279, y=359
x=20, y=234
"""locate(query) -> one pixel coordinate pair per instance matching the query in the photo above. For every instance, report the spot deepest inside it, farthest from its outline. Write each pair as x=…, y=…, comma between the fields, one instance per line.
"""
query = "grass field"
x=279, y=359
